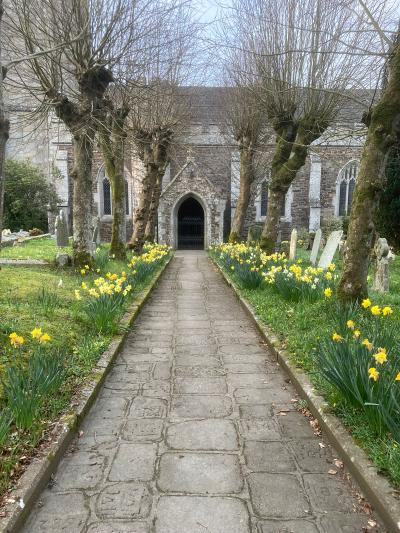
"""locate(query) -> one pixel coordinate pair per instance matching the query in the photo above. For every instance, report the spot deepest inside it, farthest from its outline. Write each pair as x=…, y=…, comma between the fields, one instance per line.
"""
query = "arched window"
x=264, y=198
x=346, y=183
x=106, y=197
x=126, y=197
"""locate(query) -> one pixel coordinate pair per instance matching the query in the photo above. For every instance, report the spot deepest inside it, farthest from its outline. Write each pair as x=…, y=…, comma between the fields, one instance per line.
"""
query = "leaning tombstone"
x=315, y=246
x=61, y=228
x=96, y=232
x=293, y=245
x=330, y=248
x=381, y=280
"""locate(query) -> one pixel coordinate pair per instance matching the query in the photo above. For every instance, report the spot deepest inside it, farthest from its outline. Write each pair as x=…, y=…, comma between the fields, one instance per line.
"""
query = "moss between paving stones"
x=38, y=473
x=375, y=487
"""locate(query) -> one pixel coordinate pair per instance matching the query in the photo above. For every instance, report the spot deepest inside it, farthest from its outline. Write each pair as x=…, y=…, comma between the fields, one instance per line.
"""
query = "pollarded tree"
x=4, y=126
x=383, y=122
x=72, y=80
x=159, y=109
x=301, y=55
x=243, y=121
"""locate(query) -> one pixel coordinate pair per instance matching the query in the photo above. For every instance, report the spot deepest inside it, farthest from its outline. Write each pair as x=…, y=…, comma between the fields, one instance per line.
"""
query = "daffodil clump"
x=296, y=282
x=362, y=361
x=102, y=298
x=247, y=263
x=142, y=266
x=35, y=369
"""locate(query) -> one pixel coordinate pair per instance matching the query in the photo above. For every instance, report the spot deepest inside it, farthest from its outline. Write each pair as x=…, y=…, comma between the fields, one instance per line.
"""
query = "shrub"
x=27, y=196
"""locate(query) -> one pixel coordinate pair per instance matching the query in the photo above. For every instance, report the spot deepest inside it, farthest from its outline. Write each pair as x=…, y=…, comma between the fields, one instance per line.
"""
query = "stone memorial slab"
x=330, y=248
x=293, y=245
x=211, y=434
x=381, y=279
x=316, y=246
x=191, y=514
x=205, y=473
x=124, y=500
x=61, y=227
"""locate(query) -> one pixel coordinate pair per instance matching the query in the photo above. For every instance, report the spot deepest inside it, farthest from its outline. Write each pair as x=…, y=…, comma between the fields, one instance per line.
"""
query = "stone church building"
x=201, y=184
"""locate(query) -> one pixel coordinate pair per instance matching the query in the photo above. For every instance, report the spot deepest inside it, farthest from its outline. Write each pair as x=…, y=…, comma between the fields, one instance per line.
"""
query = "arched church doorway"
x=191, y=225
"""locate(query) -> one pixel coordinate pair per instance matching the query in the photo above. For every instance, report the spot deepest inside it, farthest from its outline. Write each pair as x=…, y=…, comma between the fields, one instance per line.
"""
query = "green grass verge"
x=44, y=248
x=23, y=306
x=300, y=326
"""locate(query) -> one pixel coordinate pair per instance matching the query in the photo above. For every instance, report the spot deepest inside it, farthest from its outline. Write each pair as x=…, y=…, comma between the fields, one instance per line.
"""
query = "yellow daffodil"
x=45, y=338
x=83, y=271
x=328, y=292
x=387, y=310
x=87, y=267
x=16, y=340
x=373, y=373
x=366, y=303
x=36, y=333
x=357, y=333
x=368, y=344
x=332, y=267
x=397, y=378
x=84, y=286
x=78, y=295
x=380, y=357
x=376, y=310
x=350, y=324
x=336, y=337
x=328, y=275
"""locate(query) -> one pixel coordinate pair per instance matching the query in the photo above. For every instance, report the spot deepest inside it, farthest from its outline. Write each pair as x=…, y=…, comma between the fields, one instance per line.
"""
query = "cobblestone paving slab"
x=195, y=431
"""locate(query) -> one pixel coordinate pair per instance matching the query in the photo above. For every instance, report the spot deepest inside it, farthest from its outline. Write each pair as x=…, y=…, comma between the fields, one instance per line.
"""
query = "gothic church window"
x=345, y=188
x=106, y=197
x=264, y=198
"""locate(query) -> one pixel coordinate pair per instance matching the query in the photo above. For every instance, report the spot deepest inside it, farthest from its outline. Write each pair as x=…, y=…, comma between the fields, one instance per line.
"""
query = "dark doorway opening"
x=190, y=225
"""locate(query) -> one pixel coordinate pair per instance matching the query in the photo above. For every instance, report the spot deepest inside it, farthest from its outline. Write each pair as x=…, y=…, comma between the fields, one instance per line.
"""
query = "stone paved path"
x=187, y=435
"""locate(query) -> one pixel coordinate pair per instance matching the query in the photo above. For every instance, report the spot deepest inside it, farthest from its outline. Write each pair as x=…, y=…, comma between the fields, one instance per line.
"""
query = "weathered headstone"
x=61, y=227
x=293, y=245
x=315, y=246
x=62, y=260
x=330, y=248
x=96, y=232
x=381, y=280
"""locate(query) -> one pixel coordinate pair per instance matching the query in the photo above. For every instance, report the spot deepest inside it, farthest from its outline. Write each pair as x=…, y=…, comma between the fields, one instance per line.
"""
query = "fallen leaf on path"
x=332, y=472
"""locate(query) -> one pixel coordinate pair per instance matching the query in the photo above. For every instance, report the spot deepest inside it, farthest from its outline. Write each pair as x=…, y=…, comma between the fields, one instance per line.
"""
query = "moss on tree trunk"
x=83, y=198
x=112, y=137
x=292, y=144
x=4, y=132
x=153, y=149
x=150, y=231
x=246, y=179
x=383, y=133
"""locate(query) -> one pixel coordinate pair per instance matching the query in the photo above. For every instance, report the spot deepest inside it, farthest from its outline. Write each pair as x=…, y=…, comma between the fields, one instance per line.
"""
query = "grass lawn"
x=44, y=248
x=44, y=297
x=300, y=326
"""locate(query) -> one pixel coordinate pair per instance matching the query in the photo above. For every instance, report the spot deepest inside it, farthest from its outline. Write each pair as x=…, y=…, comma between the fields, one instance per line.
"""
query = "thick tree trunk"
x=142, y=213
x=150, y=232
x=83, y=198
x=290, y=155
x=4, y=132
x=246, y=179
x=112, y=136
x=383, y=133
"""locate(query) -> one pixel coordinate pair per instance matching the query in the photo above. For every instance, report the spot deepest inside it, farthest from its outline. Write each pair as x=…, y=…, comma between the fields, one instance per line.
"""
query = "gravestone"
x=330, y=248
x=96, y=232
x=61, y=227
x=293, y=245
x=381, y=280
x=315, y=246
